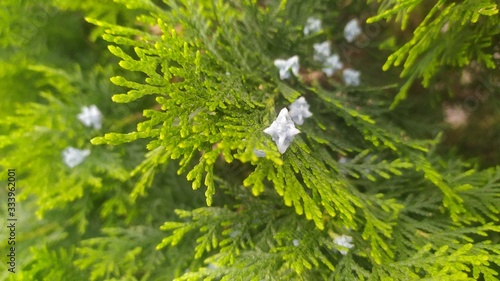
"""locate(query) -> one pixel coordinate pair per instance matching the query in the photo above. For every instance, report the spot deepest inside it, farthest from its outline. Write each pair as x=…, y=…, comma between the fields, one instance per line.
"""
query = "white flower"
x=296, y=242
x=299, y=110
x=332, y=64
x=445, y=27
x=282, y=130
x=352, y=30
x=73, y=157
x=313, y=25
x=456, y=116
x=351, y=77
x=343, y=241
x=212, y=266
x=286, y=65
x=259, y=153
x=344, y=160
x=322, y=51
x=90, y=116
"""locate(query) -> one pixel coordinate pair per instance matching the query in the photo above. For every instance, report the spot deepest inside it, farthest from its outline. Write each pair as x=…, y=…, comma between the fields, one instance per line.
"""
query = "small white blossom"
x=351, y=77
x=286, y=65
x=212, y=266
x=259, y=153
x=90, y=116
x=282, y=130
x=322, y=51
x=352, y=30
x=344, y=160
x=296, y=242
x=445, y=27
x=332, y=64
x=73, y=157
x=313, y=25
x=343, y=241
x=299, y=110
x=456, y=116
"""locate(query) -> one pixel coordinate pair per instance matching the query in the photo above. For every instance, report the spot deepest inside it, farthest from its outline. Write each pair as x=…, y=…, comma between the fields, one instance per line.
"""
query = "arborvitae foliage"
x=181, y=182
x=450, y=34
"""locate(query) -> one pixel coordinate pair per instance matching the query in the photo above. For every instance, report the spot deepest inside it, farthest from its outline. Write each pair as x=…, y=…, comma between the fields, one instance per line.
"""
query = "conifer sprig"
x=210, y=74
x=468, y=29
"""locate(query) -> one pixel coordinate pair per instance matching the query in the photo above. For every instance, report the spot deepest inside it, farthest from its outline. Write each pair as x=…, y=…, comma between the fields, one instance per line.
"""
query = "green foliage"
x=53, y=125
x=44, y=260
x=451, y=34
x=186, y=109
x=100, y=254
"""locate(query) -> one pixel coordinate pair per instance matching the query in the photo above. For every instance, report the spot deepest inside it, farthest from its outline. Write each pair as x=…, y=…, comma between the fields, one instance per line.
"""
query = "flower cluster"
x=283, y=130
x=351, y=31
x=331, y=62
x=90, y=116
